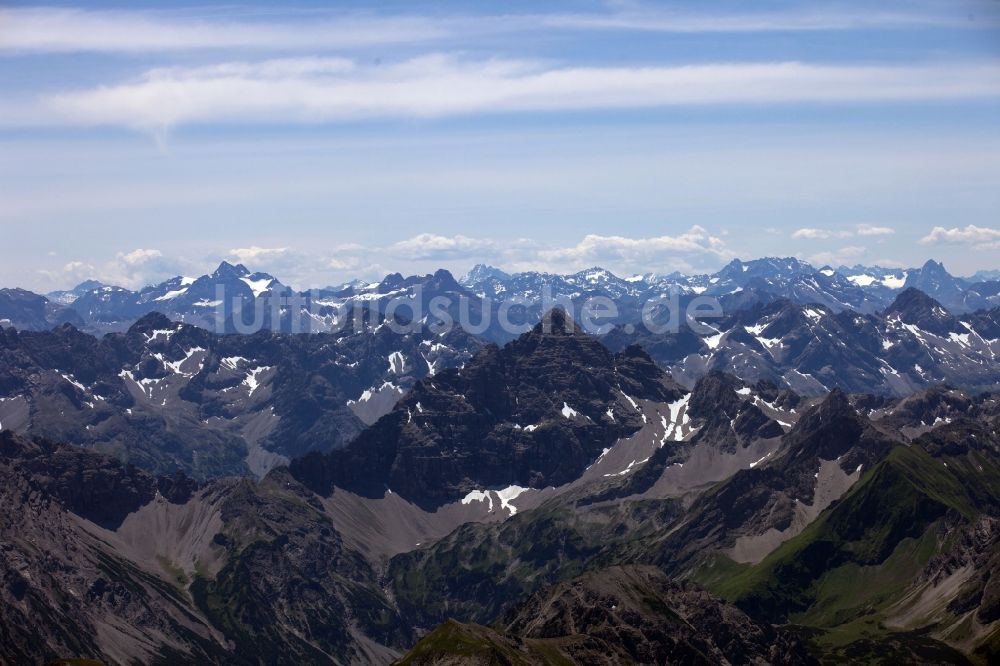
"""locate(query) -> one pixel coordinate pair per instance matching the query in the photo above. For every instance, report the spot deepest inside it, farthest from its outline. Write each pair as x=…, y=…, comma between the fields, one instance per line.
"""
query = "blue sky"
x=144, y=140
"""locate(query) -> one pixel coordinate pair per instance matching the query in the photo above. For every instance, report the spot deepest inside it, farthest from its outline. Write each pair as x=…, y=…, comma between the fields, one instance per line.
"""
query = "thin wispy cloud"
x=64, y=30
x=814, y=233
x=814, y=18
x=838, y=257
x=874, y=230
x=323, y=90
x=67, y=30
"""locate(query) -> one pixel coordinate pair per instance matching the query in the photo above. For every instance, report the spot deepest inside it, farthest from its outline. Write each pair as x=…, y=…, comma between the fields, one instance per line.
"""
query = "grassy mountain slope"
x=854, y=573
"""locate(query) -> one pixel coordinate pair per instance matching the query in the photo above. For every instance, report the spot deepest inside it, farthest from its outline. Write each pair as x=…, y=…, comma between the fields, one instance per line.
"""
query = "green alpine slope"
x=906, y=559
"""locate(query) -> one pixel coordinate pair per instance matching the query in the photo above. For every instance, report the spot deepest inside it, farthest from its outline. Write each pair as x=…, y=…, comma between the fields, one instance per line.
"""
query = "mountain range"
x=234, y=299
x=915, y=342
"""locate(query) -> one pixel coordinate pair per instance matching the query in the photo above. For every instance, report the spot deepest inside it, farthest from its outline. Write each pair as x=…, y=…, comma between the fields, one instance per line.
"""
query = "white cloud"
x=982, y=238
x=812, y=233
x=839, y=257
x=694, y=246
x=350, y=265
x=693, y=250
x=64, y=30
x=323, y=90
x=253, y=253
x=431, y=246
x=76, y=266
x=885, y=262
x=72, y=274
x=138, y=257
x=133, y=269
x=293, y=266
x=872, y=230
x=140, y=267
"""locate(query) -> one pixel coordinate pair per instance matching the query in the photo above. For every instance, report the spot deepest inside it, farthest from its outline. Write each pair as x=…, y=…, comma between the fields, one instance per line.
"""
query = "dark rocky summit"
x=534, y=413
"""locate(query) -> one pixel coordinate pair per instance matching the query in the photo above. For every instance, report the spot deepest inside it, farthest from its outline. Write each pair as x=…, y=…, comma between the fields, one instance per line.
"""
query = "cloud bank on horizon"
x=325, y=144
x=692, y=252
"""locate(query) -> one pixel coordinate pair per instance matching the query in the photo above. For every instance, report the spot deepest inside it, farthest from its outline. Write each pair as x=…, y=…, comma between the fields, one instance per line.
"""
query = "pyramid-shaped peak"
x=443, y=279
x=556, y=322
x=834, y=417
x=87, y=285
x=836, y=401
x=227, y=270
x=482, y=272
x=933, y=266
x=914, y=306
x=390, y=282
x=154, y=321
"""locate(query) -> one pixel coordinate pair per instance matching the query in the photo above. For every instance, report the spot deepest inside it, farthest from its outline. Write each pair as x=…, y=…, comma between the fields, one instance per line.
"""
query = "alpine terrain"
x=790, y=483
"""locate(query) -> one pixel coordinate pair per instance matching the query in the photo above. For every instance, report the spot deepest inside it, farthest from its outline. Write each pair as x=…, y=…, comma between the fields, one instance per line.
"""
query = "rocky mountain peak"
x=87, y=285
x=932, y=277
x=443, y=280
x=834, y=428
x=154, y=321
x=97, y=487
x=913, y=306
x=836, y=403
x=67, y=329
x=391, y=282
x=733, y=268
x=556, y=322
x=932, y=267
x=483, y=272
x=834, y=416
x=715, y=392
x=228, y=271
x=557, y=342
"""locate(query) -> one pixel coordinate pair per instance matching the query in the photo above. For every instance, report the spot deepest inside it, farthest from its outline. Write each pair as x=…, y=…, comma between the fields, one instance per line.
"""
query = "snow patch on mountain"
x=252, y=379
x=259, y=286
